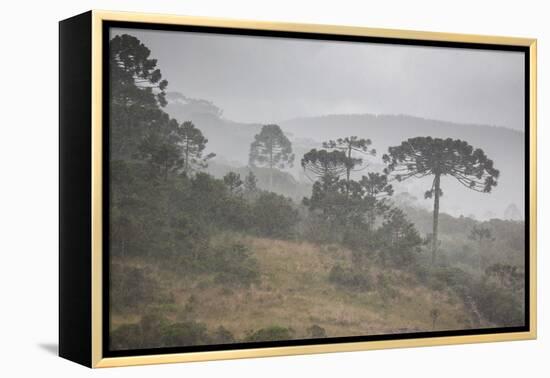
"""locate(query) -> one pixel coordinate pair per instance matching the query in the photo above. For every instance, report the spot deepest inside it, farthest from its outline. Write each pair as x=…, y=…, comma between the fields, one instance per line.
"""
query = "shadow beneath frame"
x=51, y=348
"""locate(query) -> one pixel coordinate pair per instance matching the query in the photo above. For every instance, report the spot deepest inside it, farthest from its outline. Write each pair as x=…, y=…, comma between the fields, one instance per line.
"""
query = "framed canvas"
x=235, y=189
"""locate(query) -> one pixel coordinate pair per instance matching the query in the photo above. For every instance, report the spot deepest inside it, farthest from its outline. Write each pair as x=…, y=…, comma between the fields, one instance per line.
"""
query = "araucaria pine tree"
x=137, y=94
x=271, y=148
x=355, y=149
x=192, y=143
x=426, y=156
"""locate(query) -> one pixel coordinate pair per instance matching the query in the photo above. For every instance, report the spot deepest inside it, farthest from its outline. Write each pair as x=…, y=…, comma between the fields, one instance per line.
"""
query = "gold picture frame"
x=93, y=24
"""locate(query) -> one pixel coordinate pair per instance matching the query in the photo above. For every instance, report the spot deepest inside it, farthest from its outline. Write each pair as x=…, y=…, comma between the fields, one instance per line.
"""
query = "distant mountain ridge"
x=231, y=140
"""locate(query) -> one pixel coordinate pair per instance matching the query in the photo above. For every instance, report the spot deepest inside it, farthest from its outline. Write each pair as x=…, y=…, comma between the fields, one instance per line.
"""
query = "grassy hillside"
x=295, y=292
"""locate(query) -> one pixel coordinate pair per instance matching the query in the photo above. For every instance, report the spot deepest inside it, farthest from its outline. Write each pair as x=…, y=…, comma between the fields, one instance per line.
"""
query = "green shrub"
x=398, y=239
x=133, y=288
x=237, y=214
x=385, y=287
x=274, y=216
x=211, y=200
x=235, y=266
x=222, y=336
x=184, y=334
x=151, y=326
x=358, y=239
x=126, y=336
x=155, y=331
x=349, y=278
x=316, y=332
x=500, y=306
x=318, y=230
x=442, y=278
x=191, y=304
x=272, y=333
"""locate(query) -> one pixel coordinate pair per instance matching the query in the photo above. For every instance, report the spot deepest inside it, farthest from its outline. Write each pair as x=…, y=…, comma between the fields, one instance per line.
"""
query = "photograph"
x=268, y=189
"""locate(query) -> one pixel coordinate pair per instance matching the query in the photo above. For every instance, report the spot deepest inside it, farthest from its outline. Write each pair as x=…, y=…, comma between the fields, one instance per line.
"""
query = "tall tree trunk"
x=371, y=218
x=348, y=172
x=123, y=247
x=480, y=258
x=271, y=169
x=436, y=216
x=187, y=158
x=126, y=130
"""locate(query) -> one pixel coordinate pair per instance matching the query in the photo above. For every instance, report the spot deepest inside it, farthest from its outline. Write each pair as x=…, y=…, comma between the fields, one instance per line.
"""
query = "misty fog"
x=318, y=90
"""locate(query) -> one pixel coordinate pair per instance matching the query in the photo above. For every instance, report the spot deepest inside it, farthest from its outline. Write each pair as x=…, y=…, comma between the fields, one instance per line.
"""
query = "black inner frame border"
x=107, y=25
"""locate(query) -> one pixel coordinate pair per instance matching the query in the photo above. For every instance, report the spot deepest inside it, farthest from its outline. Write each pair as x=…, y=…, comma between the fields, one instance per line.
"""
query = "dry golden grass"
x=295, y=292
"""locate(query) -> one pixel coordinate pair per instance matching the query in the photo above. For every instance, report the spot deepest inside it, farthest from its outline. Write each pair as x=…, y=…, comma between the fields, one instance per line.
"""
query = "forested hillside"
x=502, y=144
x=201, y=253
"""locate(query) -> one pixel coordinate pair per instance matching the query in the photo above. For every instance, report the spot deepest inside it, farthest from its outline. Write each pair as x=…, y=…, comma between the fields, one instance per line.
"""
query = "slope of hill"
x=295, y=292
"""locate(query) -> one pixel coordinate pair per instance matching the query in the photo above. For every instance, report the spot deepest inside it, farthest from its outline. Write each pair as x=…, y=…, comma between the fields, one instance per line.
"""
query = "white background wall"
x=28, y=189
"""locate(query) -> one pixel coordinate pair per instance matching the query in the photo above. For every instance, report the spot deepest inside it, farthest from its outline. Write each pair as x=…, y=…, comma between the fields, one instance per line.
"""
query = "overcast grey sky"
x=259, y=79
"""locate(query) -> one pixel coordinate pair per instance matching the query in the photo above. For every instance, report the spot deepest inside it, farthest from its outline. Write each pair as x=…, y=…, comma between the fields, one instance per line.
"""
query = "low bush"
x=184, y=334
x=442, y=278
x=386, y=288
x=502, y=307
x=222, y=336
x=316, y=332
x=272, y=333
x=235, y=266
x=274, y=216
x=349, y=278
x=126, y=336
x=155, y=331
x=316, y=229
x=133, y=288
